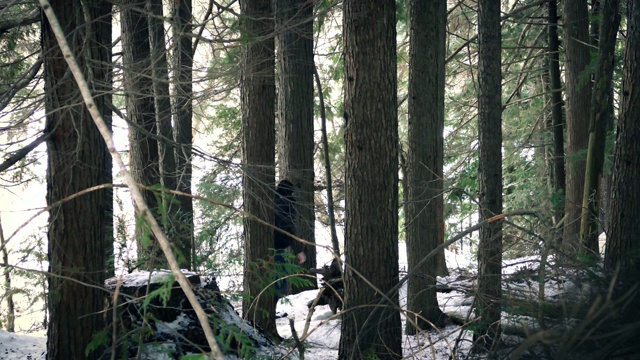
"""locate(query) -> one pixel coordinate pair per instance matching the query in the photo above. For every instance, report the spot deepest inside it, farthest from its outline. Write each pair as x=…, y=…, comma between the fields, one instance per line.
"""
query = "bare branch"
x=31, y=18
x=20, y=154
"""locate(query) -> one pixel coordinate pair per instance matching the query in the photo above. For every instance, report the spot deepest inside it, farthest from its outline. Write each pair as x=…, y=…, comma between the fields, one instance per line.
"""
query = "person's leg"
x=281, y=285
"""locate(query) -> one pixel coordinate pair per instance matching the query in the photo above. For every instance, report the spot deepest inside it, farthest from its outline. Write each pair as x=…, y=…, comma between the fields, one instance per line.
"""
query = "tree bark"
x=489, y=294
x=622, y=255
x=143, y=147
x=578, y=95
x=294, y=39
x=557, y=122
x=166, y=153
x=425, y=217
x=80, y=230
x=623, y=240
x=371, y=150
x=11, y=313
x=258, y=156
x=183, y=113
x=601, y=113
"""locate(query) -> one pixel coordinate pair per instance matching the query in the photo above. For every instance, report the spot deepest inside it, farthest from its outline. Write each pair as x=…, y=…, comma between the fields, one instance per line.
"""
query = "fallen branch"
x=299, y=344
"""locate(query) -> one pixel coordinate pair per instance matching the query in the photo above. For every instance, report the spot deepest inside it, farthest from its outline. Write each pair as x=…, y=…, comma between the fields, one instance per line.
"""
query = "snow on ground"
x=21, y=346
x=323, y=331
x=320, y=329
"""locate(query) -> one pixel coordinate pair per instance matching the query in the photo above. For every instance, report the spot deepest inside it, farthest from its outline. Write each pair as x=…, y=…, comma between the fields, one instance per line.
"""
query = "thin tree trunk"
x=578, y=95
x=327, y=168
x=599, y=120
x=557, y=123
x=11, y=314
x=183, y=113
x=488, y=298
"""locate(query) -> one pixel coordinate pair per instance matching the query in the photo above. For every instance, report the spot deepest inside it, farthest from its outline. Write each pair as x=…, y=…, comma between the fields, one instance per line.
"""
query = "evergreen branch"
x=504, y=17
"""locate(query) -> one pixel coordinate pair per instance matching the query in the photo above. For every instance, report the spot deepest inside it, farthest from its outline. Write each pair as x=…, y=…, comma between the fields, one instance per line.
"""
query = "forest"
x=408, y=179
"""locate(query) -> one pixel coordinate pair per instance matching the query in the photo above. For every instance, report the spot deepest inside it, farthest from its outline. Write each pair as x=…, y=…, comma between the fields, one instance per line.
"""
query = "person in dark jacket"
x=285, y=219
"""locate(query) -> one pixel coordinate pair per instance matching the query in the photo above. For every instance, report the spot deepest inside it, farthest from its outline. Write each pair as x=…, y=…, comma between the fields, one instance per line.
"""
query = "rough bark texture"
x=258, y=155
x=578, y=95
x=80, y=230
x=143, y=148
x=557, y=122
x=294, y=39
x=601, y=113
x=371, y=147
x=424, y=214
x=487, y=300
x=623, y=241
x=161, y=94
x=183, y=112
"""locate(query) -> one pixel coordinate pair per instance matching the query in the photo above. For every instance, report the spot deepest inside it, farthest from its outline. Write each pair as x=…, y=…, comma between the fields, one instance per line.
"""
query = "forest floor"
x=320, y=330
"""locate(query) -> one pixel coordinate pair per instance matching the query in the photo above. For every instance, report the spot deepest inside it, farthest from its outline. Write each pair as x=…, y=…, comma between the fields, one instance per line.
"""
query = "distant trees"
x=158, y=154
x=371, y=147
x=489, y=295
x=141, y=112
x=80, y=230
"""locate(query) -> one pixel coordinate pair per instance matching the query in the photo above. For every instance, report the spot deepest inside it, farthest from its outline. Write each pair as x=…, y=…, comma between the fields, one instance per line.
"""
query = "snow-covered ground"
x=21, y=347
x=320, y=330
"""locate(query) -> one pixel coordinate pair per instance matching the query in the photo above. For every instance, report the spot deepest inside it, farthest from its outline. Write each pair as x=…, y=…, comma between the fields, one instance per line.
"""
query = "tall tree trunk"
x=623, y=242
x=258, y=155
x=80, y=230
x=489, y=295
x=601, y=114
x=424, y=216
x=166, y=153
x=143, y=147
x=294, y=38
x=183, y=110
x=557, y=122
x=623, y=245
x=371, y=151
x=578, y=95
